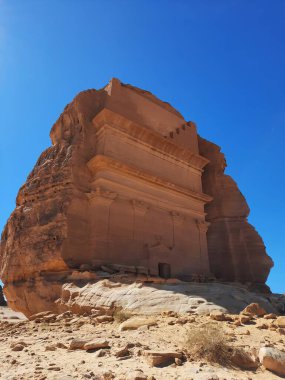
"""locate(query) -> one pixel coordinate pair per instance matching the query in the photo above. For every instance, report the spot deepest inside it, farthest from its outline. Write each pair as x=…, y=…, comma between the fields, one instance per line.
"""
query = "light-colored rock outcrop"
x=273, y=360
x=135, y=322
x=151, y=299
x=122, y=188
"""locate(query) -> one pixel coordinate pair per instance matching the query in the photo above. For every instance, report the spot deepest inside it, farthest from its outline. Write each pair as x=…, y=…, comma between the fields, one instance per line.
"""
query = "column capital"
x=102, y=194
x=177, y=217
x=140, y=207
x=202, y=225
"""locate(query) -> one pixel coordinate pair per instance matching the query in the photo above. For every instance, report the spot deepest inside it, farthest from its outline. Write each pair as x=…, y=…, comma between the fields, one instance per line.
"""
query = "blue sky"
x=219, y=62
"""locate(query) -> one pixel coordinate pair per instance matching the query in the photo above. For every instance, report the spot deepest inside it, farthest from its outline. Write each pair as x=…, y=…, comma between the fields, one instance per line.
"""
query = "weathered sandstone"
x=2, y=299
x=273, y=360
x=236, y=251
x=70, y=347
x=151, y=299
x=127, y=186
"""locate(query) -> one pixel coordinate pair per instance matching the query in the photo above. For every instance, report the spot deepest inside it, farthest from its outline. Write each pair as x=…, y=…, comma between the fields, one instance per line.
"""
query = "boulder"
x=244, y=360
x=280, y=321
x=273, y=360
x=161, y=358
x=135, y=322
x=218, y=315
x=254, y=309
x=136, y=375
x=95, y=344
x=77, y=344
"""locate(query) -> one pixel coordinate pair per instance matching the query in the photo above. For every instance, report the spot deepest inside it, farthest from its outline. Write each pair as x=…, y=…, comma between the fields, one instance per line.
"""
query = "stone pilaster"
x=100, y=203
x=140, y=209
x=204, y=258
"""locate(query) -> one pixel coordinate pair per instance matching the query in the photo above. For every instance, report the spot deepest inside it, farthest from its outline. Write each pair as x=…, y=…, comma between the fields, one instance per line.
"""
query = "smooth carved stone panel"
x=150, y=160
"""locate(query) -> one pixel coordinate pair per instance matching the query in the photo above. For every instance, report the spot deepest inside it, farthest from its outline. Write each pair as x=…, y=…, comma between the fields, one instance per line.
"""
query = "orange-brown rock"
x=123, y=188
x=236, y=250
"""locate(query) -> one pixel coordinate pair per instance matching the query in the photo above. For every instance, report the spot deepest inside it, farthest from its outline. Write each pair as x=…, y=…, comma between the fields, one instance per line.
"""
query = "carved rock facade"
x=124, y=183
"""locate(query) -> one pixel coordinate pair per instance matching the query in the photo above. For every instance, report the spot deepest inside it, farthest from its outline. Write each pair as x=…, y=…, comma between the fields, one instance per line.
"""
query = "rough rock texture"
x=2, y=299
x=123, y=183
x=151, y=299
x=273, y=360
x=236, y=251
x=60, y=349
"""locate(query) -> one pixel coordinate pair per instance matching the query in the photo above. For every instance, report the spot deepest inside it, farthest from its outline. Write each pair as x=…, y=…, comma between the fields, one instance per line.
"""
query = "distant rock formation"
x=2, y=299
x=124, y=183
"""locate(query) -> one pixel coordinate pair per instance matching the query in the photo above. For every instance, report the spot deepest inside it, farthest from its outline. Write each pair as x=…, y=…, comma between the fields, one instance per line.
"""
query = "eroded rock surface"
x=2, y=299
x=236, y=250
x=123, y=183
x=151, y=299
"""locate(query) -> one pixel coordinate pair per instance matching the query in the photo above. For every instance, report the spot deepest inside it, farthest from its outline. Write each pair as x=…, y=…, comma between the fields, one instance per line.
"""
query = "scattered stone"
x=254, y=309
x=104, y=318
x=18, y=347
x=61, y=345
x=123, y=352
x=161, y=358
x=244, y=360
x=77, y=344
x=136, y=375
x=96, y=344
x=100, y=353
x=135, y=322
x=218, y=315
x=50, y=348
x=280, y=321
x=270, y=316
x=54, y=368
x=244, y=319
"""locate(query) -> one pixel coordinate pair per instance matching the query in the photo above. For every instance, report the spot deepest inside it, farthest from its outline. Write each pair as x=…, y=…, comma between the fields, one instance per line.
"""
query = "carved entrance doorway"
x=164, y=270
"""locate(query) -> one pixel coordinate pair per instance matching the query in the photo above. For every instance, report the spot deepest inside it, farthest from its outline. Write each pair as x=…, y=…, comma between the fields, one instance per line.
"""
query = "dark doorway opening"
x=164, y=270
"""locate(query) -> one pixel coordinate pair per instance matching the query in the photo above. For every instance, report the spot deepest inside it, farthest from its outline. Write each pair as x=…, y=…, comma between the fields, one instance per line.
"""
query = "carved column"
x=100, y=202
x=140, y=209
x=177, y=221
x=204, y=258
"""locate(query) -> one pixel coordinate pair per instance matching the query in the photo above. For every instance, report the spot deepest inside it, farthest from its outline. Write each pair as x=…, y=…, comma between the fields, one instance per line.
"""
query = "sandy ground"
x=45, y=350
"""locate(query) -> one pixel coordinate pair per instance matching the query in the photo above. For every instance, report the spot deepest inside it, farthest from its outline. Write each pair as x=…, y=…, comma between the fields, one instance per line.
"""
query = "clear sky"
x=221, y=63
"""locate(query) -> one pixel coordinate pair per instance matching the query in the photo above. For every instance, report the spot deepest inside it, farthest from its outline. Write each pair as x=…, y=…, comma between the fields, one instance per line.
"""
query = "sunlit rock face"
x=126, y=181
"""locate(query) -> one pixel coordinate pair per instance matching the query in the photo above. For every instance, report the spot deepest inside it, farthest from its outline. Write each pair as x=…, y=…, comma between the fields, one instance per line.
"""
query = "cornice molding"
x=148, y=137
x=100, y=162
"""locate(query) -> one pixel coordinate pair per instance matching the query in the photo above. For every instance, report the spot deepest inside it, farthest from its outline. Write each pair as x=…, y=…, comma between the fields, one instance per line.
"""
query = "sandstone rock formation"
x=123, y=183
x=145, y=299
x=2, y=299
x=236, y=251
